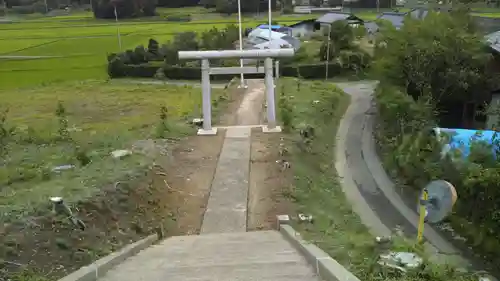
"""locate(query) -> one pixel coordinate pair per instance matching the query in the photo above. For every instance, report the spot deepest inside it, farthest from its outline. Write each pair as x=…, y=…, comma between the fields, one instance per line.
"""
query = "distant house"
x=304, y=28
x=395, y=18
x=328, y=19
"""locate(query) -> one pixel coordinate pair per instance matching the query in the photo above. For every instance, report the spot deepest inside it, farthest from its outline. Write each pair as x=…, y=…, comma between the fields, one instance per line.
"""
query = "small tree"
x=341, y=37
x=441, y=56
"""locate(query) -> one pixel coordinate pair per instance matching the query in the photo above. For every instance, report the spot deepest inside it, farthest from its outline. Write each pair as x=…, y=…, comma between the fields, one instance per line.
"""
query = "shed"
x=304, y=28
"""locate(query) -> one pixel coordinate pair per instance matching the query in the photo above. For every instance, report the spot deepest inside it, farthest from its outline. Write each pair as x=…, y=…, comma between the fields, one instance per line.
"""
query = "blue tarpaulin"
x=273, y=27
x=461, y=139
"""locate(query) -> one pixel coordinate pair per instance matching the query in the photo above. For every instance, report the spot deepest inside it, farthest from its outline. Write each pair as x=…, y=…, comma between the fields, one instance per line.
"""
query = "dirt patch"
x=270, y=181
x=172, y=194
x=228, y=118
x=188, y=178
x=172, y=197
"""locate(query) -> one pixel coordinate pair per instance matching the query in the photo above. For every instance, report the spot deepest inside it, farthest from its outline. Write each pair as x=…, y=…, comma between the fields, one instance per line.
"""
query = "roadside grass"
x=317, y=191
x=100, y=117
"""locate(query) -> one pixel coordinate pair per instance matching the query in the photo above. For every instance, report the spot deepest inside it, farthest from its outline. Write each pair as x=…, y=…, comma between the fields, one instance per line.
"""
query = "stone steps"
x=245, y=256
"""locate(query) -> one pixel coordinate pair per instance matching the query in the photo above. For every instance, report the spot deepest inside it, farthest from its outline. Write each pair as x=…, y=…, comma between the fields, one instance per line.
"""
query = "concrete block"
x=106, y=263
x=212, y=132
x=326, y=267
x=100, y=267
x=330, y=270
x=86, y=273
x=282, y=219
x=266, y=129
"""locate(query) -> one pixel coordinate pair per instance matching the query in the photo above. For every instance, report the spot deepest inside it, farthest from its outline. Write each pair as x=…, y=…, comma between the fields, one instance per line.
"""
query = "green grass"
x=101, y=117
x=317, y=191
x=85, y=58
x=16, y=45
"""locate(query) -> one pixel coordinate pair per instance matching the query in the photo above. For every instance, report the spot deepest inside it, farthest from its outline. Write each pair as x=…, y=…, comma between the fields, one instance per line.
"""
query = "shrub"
x=179, y=18
x=117, y=69
x=23, y=10
x=311, y=71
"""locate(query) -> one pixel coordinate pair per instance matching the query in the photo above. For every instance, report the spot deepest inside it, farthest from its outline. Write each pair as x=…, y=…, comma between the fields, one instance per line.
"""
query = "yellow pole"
x=421, y=222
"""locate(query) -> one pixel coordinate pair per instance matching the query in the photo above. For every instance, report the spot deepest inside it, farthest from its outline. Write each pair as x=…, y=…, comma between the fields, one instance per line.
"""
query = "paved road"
x=373, y=195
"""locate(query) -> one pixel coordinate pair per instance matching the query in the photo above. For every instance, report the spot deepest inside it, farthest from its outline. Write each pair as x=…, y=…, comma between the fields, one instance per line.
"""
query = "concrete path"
x=368, y=187
x=224, y=251
x=227, y=204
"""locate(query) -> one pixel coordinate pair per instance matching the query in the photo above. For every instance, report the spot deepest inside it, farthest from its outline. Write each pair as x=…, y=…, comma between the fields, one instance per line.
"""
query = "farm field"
x=83, y=43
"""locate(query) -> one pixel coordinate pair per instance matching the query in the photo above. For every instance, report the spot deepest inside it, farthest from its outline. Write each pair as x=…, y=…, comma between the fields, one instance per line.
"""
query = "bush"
x=117, y=69
x=311, y=71
x=412, y=154
x=23, y=10
x=179, y=18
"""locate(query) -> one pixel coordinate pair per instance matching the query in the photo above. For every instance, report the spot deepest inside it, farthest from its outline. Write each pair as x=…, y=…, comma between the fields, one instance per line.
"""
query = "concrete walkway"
x=367, y=186
x=224, y=251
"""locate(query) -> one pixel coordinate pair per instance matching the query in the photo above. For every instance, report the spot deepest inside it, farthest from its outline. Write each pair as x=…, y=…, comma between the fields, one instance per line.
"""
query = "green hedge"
x=413, y=155
x=117, y=69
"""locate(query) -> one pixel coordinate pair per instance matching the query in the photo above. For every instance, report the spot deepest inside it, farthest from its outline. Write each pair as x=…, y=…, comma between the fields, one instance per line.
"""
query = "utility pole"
x=328, y=51
x=242, y=78
x=117, y=28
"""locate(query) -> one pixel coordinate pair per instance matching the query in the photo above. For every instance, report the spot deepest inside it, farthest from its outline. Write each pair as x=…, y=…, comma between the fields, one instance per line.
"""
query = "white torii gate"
x=206, y=71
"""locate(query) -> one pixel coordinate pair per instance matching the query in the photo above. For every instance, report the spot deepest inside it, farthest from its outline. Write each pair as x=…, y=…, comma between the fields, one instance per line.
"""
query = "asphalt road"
x=374, y=197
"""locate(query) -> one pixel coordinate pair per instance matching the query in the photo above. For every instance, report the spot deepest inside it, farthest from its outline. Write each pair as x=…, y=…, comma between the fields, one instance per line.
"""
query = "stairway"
x=244, y=256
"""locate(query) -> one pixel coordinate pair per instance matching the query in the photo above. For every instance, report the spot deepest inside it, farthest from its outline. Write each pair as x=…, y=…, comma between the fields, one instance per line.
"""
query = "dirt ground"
x=188, y=178
x=270, y=180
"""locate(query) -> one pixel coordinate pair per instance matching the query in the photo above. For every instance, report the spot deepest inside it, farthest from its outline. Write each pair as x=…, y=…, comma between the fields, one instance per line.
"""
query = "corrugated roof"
x=395, y=18
x=333, y=17
x=494, y=40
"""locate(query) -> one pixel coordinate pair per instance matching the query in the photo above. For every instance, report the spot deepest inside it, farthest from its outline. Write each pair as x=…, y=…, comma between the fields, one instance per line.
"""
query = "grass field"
x=101, y=117
x=84, y=42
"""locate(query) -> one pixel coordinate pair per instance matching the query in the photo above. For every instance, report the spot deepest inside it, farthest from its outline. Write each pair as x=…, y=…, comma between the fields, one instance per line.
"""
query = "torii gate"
x=206, y=71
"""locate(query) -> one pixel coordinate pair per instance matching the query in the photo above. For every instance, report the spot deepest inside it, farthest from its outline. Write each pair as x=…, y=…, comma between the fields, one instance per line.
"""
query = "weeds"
x=63, y=132
x=286, y=110
x=163, y=128
x=5, y=132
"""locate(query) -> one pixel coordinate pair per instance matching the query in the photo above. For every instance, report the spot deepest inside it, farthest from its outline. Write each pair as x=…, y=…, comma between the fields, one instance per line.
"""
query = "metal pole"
x=46, y=7
x=270, y=30
x=423, y=214
x=242, y=78
x=270, y=46
x=205, y=90
x=117, y=29
x=328, y=51
x=271, y=114
x=277, y=75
